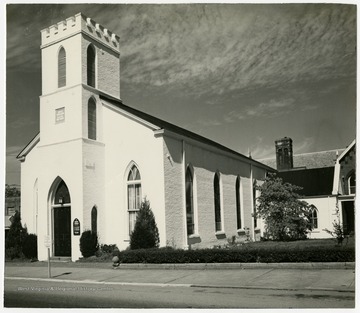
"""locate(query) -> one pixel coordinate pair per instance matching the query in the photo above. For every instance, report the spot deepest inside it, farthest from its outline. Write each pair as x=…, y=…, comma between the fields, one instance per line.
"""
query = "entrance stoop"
x=60, y=259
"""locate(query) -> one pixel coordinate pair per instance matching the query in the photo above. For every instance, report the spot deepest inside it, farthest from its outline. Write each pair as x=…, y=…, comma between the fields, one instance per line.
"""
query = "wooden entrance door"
x=62, y=231
x=348, y=213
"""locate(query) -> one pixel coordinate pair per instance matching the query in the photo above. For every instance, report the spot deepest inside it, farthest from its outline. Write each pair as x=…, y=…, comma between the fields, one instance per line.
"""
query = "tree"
x=11, y=191
x=15, y=238
x=145, y=234
x=286, y=217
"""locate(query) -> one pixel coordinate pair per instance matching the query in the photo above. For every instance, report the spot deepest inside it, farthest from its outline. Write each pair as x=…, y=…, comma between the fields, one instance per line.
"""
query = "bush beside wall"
x=280, y=255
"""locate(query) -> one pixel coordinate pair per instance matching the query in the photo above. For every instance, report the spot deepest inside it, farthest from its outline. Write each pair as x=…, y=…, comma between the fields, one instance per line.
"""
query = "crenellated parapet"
x=79, y=24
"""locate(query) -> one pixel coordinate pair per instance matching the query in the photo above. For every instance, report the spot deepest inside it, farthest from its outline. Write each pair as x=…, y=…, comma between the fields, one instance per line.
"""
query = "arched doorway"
x=61, y=217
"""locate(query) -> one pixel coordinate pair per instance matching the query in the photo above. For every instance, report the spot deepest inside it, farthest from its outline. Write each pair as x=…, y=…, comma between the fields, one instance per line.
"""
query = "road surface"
x=53, y=294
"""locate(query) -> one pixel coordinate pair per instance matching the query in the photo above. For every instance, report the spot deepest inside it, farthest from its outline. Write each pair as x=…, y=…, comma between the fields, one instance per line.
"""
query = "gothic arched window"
x=91, y=71
x=254, y=203
x=351, y=183
x=133, y=195
x=189, y=202
x=238, y=204
x=62, y=195
x=314, y=217
x=94, y=220
x=92, y=119
x=217, y=202
x=61, y=68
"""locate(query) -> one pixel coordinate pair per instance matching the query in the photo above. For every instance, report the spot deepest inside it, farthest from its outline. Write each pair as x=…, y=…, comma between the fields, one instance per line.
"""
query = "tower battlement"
x=76, y=24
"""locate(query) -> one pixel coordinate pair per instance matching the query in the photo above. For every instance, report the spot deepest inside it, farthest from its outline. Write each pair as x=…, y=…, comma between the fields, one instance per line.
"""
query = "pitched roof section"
x=175, y=129
x=310, y=160
x=24, y=152
x=315, y=182
x=348, y=148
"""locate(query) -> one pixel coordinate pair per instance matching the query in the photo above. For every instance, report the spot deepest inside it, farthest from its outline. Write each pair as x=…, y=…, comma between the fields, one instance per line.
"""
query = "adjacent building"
x=328, y=183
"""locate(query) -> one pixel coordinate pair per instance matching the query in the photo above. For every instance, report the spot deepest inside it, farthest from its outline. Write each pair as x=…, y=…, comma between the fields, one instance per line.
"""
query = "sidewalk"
x=270, y=276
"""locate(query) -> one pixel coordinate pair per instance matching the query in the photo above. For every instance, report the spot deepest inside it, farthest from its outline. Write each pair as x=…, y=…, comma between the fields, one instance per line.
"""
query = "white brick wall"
x=206, y=162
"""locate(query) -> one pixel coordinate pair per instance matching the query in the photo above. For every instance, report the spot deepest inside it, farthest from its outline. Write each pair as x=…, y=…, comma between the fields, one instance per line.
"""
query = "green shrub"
x=244, y=255
x=15, y=238
x=109, y=248
x=13, y=253
x=145, y=234
x=30, y=246
x=88, y=243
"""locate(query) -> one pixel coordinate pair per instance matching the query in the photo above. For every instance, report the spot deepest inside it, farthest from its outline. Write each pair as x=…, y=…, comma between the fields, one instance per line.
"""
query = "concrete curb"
x=198, y=266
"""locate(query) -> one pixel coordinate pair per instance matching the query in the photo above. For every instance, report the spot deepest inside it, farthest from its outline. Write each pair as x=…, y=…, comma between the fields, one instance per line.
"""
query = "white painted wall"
x=45, y=164
x=326, y=215
x=127, y=140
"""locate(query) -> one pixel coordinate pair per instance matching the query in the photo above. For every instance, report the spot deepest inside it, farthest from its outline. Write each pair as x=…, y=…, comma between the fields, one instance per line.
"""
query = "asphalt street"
x=46, y=294
x=140, y=286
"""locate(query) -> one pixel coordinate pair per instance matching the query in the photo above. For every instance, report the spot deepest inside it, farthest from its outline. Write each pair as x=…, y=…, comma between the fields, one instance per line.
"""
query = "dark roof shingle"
x=315, y=182
x=310, y=160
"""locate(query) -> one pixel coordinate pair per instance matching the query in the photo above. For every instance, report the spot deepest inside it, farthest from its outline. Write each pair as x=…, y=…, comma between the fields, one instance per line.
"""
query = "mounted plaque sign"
x=76, y=227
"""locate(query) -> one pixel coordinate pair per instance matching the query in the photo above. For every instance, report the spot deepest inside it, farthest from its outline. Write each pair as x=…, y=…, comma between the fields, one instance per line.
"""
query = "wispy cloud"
x=212, y=48
x=270, y=109
x=209, y=122
x=21, y=122
x=305, y=145
x=260, y=150
x=236, y=47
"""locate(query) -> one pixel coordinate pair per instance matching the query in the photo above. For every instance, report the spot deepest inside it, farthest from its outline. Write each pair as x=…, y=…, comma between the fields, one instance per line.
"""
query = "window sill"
x=220, y=233
x=194, y=236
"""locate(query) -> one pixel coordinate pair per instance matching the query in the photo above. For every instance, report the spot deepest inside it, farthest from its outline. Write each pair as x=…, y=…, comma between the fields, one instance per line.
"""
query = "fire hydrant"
x=116, y=262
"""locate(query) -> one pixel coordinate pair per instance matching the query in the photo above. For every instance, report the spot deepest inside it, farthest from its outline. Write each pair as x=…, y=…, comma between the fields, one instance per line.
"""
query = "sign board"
x=76, y=227
x=60, y=115
x=47, y=241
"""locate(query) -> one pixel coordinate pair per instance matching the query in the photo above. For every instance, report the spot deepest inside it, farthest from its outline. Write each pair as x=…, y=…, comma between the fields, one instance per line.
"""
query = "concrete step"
x=60, y=259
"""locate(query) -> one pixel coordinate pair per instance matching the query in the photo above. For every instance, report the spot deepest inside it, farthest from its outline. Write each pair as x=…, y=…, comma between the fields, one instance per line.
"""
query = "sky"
x=243, y=75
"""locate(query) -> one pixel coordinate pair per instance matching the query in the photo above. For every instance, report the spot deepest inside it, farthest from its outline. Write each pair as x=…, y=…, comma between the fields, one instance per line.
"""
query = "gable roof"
x=33, y=142
x=310, y=160
x=161, y=124
x=153, y=121
x=348, y=148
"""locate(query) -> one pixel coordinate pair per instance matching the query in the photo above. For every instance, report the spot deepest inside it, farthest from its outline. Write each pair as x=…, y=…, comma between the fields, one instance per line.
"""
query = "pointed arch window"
x=61, y=68
x=351, y=183
x=217, y=202
x=92, y=119
x=190, y=221
x=91, y=71
x=133, y=195
x=238, y=203
x=62, y=195
x=254, y=203
x=94, y=219
x=314, y=217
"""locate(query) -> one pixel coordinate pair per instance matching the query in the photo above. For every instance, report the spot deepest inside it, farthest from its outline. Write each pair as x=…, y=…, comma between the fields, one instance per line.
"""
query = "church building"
x=95, y=159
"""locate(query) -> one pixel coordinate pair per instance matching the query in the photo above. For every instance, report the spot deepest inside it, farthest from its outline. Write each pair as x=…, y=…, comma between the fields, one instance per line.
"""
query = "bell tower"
x=284, y=154
x=80, y=61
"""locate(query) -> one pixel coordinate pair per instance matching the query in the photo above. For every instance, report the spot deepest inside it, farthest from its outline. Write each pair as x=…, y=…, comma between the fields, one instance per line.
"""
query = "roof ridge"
x=175, y=128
